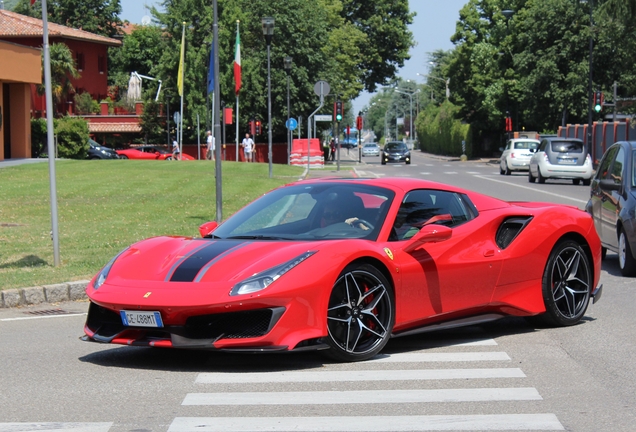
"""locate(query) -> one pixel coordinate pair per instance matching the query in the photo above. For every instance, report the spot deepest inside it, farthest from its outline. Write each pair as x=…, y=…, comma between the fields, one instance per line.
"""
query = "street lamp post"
x=410, y=95
x=288, y=65
x=446, y=82
x=268, y=32
x=589, y=83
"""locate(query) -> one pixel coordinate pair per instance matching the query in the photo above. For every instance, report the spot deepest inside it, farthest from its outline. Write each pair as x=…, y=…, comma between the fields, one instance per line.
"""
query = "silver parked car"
x=561, y=158
x=370, y=149
x=517, y=154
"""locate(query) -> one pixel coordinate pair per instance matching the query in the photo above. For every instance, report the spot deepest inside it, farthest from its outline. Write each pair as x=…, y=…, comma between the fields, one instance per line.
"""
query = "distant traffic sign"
x=323, y=117
x=291, y=124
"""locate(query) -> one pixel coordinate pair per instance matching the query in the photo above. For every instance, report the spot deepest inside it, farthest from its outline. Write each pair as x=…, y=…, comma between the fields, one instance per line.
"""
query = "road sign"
x=176, y=117
x=322, y=88
x=291, y=124
x=323, y=117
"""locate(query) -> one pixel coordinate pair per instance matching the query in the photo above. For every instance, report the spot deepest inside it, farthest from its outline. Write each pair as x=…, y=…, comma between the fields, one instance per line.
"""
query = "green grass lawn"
x=104, y=206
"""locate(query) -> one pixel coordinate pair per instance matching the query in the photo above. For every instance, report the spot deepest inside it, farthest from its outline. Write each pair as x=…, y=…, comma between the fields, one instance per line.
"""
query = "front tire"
x=625, y=258
x=566, y=284
x=360, y=314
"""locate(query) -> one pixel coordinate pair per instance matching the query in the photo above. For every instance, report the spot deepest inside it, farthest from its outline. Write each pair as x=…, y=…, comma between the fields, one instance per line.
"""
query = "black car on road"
x=396, y=151
x=612, y=203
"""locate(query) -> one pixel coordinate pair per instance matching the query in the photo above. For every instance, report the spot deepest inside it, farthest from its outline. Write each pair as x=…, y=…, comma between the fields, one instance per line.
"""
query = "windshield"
x=312, y=212
x=395, y=147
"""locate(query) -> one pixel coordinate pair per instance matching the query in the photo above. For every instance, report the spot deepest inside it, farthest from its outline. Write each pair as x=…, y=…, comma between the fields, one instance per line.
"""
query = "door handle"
x=488, y=253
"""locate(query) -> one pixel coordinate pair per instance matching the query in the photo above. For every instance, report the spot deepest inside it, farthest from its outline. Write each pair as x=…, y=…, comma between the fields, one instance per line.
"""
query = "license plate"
x=141, y=318
x=567, y=161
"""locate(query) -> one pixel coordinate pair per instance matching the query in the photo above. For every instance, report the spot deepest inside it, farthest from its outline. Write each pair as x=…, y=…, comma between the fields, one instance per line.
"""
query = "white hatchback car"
x=516, y=155
x=561, y=158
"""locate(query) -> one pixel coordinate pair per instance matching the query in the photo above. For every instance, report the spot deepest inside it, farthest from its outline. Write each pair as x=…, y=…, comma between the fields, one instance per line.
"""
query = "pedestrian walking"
x=248, y=148
x=211, y=146
x=175, y=150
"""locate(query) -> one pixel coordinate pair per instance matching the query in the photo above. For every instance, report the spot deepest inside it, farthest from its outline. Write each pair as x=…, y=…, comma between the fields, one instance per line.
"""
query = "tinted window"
x=395, y=146
x=543, y=145
x=426, y=206
x=618, y=169
x=525, y=145
x=567, y=147
x=603, y=169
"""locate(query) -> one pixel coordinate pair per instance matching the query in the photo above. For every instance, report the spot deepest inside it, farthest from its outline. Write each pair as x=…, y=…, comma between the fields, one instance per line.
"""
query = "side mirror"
x=500, y=149
x=609, y=185
x=208, y=228
x=428, y=234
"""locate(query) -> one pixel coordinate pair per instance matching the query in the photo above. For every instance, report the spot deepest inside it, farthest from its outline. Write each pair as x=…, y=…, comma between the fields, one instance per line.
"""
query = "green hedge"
x=71, y=133
x=439, y=132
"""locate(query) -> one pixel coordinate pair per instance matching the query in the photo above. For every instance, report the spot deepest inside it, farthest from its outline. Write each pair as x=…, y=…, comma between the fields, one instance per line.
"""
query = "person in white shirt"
x=248, y=148
x=175, y=150
x=211, y=147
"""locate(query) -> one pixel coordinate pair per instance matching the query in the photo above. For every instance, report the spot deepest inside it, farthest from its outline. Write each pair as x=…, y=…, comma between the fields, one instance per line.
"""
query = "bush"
x=85, y=104
x=72, y=137
x=38, y=137
x=439, y=132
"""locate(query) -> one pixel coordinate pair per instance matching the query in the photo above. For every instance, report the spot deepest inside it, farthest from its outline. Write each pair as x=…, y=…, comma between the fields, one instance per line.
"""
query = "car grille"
x=235, y=325
x=107, y=324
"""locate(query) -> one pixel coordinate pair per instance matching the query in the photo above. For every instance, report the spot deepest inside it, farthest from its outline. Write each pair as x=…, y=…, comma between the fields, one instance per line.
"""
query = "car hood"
x=173, y=260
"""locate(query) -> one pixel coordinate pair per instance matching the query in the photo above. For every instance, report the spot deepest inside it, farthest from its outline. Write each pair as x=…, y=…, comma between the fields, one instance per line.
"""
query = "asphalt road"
x=505, y=375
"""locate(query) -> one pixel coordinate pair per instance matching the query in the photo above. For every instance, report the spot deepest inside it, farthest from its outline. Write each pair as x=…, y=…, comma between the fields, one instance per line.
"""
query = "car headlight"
x=265, y=278
x=103, y=274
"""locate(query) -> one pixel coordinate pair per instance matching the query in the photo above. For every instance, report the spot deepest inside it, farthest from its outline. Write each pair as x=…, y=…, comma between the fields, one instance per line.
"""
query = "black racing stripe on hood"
x=187, y=271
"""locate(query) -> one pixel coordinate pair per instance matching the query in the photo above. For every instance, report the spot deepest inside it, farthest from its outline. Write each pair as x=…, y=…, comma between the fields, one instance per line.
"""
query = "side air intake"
x=510, y=229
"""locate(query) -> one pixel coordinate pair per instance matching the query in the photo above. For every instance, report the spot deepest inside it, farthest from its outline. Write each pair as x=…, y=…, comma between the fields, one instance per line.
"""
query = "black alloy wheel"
x=566, y=285
x=360, y=315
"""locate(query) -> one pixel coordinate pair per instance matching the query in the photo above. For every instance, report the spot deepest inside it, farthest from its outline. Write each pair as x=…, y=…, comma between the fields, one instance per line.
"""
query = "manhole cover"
x=49, y=312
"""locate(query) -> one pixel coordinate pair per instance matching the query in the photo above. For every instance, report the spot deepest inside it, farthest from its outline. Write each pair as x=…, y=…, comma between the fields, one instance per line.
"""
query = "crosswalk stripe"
x=55, y=427
x=362, y=375
x=440, y=357
x=495, y=422
x=362, y=396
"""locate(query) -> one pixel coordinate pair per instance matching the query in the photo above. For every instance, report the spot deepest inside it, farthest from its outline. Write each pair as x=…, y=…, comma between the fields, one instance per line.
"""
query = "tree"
x=388, y=39
x=62, y=69
x=95, y=16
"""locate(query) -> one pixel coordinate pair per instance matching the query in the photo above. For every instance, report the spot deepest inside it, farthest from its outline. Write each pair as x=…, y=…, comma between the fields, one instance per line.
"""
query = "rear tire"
x=625, y=258
x=123, y=157
x=566, y=285
x=507, y=170
x=540, y=178
x=587, y=182
x=360, y=314
x=531, y=178
x=576, y=182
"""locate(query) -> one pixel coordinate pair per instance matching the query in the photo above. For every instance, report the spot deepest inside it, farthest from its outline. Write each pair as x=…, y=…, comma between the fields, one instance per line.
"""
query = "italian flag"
x=237, y=61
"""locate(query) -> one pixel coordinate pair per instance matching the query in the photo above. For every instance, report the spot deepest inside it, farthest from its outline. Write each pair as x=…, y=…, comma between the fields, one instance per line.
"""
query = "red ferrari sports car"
x=342, y=265
x=149, y=152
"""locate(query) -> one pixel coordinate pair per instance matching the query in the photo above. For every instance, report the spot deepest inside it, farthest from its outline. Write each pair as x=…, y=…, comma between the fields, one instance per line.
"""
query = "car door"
x=598, y=197
x=455, y=274
x=611, y=199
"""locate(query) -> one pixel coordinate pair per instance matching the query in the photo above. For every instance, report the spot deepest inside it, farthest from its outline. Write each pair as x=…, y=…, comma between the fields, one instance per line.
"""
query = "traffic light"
x=258, y=127
x=508, y=124
x=337, y=111
x=359, y=123
x=598, y=101
x=252, y=127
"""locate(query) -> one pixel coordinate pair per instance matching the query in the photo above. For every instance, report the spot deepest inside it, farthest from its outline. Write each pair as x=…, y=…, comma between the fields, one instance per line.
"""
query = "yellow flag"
x=181, y=63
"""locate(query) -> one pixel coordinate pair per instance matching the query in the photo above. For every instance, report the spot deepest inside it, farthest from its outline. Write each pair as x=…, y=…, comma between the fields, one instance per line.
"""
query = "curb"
x=69, y=291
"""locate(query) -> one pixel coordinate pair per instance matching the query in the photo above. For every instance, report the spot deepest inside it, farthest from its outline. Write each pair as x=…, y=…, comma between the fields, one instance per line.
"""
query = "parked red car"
x=149, y=152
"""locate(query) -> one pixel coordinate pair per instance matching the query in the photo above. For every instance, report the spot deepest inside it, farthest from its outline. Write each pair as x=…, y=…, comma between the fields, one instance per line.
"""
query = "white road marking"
x=494, y=422
x=440, y=357
x=532, y=189
x=364, y=375
x=362, y=397
x=55, y=427
x=42, y=317
x=450, y=172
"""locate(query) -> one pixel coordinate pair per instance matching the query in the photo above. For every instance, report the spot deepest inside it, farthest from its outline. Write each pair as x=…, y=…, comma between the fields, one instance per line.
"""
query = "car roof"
x=631, y=144
x=562, y=139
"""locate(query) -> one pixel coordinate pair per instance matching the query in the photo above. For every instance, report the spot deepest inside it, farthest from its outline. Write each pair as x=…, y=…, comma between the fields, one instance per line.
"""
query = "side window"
x=603, y=170
x=543, y=145
x=618, y=169
x=428, y=206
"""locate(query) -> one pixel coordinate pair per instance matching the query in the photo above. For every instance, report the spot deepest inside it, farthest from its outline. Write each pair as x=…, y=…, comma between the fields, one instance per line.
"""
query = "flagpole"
x=49, y=135
x=182, y=64
x=237, y=110
x=217, y=126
